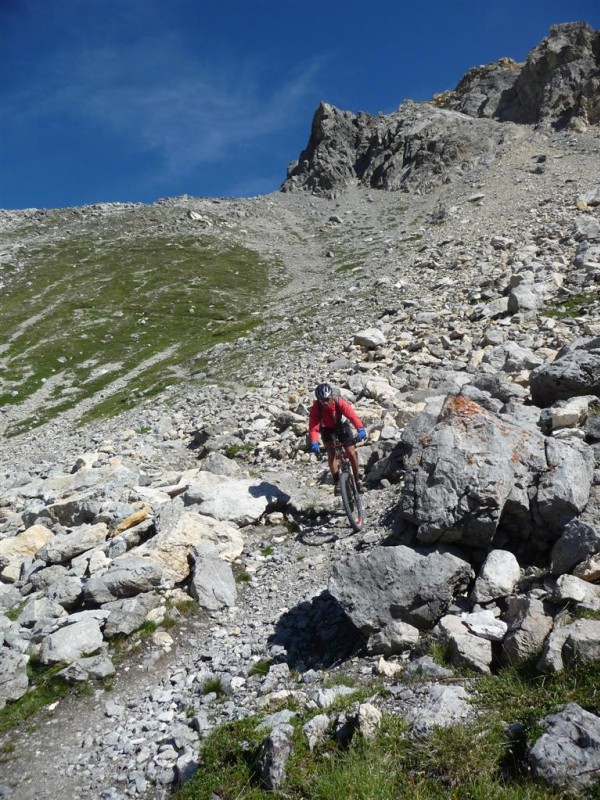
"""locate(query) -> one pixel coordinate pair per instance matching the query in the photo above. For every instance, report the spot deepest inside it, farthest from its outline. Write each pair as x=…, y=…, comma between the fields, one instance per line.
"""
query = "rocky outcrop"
x=421, y=145
x=558, y=85
x=415, y=148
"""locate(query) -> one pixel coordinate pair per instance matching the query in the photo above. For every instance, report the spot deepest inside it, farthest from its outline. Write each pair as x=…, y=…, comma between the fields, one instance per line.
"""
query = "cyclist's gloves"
x=314, y=448
x=361, y=434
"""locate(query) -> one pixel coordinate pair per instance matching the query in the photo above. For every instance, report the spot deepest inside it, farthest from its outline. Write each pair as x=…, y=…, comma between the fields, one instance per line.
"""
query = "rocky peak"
x=413, y=149
x=425, y=144
x=558, y=85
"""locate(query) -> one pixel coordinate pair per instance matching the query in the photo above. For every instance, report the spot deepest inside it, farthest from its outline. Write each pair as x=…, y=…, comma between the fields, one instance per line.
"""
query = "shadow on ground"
x=315, y=634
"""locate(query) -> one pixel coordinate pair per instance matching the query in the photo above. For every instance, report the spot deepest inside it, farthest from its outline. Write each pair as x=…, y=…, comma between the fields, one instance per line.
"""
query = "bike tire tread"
x=351, y=501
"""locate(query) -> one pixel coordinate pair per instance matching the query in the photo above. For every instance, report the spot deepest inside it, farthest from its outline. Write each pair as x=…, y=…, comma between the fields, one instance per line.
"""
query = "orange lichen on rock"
x=457, y=404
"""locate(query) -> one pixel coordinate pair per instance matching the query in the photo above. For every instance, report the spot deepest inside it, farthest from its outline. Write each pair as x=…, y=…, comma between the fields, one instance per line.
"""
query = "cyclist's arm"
x=314, y=424
x=349, y=412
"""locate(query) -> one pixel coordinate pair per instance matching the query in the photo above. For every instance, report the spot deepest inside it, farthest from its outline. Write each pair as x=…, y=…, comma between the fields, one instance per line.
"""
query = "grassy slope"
x=478, y=761
x=106, y=303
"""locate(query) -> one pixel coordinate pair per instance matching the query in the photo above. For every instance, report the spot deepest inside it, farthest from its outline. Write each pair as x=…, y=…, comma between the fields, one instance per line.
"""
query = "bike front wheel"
x=352, y=501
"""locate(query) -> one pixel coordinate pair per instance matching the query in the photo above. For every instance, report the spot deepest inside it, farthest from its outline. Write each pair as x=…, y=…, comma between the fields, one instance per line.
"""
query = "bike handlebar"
x=339, y=446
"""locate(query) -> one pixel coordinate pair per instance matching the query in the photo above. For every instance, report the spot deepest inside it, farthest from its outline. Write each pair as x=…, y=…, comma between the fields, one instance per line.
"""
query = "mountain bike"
x=351, y=498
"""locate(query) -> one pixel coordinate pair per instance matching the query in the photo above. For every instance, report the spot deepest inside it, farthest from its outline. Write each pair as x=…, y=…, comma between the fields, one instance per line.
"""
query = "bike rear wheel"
x=351, y=500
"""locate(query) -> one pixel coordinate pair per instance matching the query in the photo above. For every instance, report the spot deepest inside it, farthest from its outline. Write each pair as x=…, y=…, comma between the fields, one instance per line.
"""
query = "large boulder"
x=437, y=706
x=564, y=488
x=62, y=548
x=388, y=584
x=497, y=577
x=126, y=616
x=567, y=645
x=242, y=500
x=212, y=583
x=126, y=577
x=529, y=623
x=183, y=530
x=579, y=541
x=14, y=550
x=574, y=372
x=470, y=473
x=568, y=753
x=465, y=648
x=71, y=642
x=14, y=681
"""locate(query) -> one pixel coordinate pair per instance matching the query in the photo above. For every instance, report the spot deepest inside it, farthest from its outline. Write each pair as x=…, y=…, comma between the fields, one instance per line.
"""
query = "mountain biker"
x=327, y=416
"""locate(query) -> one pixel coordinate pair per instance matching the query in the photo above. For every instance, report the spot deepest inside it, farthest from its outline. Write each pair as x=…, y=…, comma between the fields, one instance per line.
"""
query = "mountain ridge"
x=558, y=87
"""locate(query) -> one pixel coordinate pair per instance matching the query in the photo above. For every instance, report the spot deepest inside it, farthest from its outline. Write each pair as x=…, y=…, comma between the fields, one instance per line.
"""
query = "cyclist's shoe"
x=336, y=486
x=360, y=486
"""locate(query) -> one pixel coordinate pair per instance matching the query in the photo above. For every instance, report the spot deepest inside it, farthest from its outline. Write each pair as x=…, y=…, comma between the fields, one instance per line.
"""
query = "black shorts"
x=343, y=431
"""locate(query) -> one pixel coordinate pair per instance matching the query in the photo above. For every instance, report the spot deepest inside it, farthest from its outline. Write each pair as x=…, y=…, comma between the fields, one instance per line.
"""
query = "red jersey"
x=327, y=416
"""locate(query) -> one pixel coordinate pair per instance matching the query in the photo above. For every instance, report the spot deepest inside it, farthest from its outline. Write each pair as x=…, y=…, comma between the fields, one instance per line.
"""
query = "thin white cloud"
x=165, y=100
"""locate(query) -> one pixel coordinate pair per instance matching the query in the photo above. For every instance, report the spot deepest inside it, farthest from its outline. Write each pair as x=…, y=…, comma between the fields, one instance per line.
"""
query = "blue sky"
x=133, y=100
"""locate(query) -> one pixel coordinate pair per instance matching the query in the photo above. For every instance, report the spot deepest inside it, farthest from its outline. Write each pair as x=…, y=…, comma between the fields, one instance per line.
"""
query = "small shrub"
x=235, y=450
x=13, y=613
x=146, y=630
x=186, y=607
x=259, y=668
x=213, y=685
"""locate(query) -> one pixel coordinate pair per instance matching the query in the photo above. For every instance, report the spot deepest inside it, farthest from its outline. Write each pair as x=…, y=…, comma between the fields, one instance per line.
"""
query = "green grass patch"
x=45, y=688
x=6, y=751
x=477, y=761
x=521, y=694
x=238, y=450
x=461, y=763
x=259, y=668
x=349, y=266
x=146, y=630
x=104, y=305
x=14, y=613
x=585, y=613
x=213, y=685
x=440, y=652
x=123, y=643
x=575, y=305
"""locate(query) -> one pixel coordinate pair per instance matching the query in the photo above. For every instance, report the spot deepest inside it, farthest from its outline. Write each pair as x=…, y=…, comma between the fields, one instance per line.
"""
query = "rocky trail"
x=101, y=745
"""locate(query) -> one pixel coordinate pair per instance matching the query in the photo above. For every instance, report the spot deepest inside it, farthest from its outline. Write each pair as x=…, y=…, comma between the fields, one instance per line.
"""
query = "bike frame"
x=351, y=498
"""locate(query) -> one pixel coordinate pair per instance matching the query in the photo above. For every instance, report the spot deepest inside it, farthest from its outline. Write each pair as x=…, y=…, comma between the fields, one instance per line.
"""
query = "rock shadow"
x=316, y=634
x=276, y=499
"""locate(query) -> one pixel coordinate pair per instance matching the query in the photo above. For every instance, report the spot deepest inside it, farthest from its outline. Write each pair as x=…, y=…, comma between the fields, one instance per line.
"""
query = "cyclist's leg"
x=333, y=464
x=328, y=441
x=353, y=458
